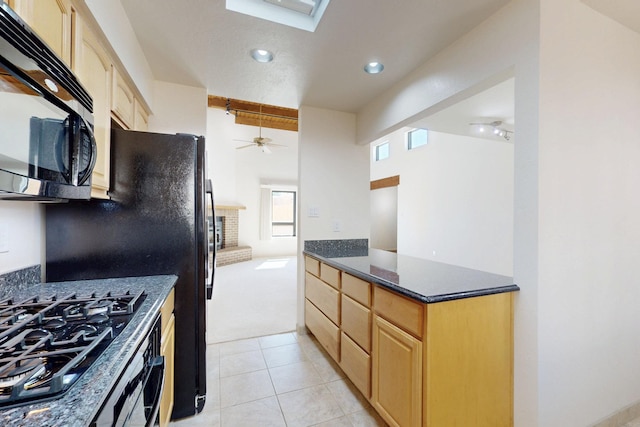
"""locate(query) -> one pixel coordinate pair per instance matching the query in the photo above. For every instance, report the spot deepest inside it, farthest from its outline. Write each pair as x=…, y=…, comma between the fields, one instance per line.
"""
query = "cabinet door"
x=51, y=20
x=396, y=374
x=93, y=68
x=122, y=100
x=167, y=350
x=140, y=117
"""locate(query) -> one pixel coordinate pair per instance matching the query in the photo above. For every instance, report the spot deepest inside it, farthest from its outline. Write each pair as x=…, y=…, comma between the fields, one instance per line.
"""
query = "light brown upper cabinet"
x=51, y=20
x=122, y=100
x=93, y=67
x=140, y=116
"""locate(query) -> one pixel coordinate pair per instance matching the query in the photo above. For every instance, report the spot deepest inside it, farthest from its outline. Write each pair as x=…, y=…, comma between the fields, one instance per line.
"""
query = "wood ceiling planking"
x=256, y=114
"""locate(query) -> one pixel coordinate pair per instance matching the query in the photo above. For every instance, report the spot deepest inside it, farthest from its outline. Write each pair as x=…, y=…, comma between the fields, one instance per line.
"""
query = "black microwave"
x=47, y=148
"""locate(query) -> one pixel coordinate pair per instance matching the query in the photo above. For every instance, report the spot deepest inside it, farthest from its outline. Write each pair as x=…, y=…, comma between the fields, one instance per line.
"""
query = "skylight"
x=302, y=14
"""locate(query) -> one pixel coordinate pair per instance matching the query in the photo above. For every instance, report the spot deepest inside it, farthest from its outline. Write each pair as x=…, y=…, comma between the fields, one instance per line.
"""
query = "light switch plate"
x=314, y=212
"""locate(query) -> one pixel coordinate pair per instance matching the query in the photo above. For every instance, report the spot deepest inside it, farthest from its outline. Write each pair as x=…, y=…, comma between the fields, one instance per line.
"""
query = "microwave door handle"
x=62, y=141
x=85, y=129
x=74, y=149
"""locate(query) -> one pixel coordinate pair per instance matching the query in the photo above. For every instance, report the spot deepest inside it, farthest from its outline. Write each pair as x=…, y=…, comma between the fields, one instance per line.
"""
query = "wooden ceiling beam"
x=255, y=114
x=252, y=107
x=267, y=122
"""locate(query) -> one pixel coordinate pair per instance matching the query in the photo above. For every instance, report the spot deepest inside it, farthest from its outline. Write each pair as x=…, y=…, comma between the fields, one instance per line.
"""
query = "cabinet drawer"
x=402, y=311
x=357, y=289
x=330, y=275
x=356, y=322
x=356, y=364
x=327, y=334
x=312, y=266
x=323, y=296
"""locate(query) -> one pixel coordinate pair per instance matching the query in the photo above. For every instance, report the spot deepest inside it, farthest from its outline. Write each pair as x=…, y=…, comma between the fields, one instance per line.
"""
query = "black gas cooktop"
x=47, y=343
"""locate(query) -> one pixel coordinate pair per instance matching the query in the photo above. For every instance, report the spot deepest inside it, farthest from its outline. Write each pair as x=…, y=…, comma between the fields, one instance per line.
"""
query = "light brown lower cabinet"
x=167, y=350
x=442, y=364
x=396, y=374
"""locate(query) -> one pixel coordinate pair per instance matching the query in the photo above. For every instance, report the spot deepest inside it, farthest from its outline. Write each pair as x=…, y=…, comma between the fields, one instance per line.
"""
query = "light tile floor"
x=283, y=380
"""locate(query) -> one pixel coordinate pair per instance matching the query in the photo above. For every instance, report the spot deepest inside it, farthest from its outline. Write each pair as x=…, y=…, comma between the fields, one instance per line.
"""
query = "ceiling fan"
x=259, y=141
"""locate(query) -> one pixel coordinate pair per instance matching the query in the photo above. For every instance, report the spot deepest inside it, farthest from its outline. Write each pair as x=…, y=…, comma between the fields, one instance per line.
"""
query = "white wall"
x=505, y=45
x=589, y=209
x=222, y=156
x=334, y=178
x=455, y=199
x=575, y=196
x=22, y=223
x=178, y=109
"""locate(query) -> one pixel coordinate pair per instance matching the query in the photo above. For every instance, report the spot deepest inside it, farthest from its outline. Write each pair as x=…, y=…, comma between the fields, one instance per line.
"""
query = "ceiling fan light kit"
x=259, y=141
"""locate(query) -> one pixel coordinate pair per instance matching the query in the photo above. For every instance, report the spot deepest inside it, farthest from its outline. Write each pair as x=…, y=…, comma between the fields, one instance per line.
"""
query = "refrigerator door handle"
x=210, y=238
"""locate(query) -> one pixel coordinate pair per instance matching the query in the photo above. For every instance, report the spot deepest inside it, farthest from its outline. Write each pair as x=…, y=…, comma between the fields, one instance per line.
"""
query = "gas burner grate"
x=47, y=342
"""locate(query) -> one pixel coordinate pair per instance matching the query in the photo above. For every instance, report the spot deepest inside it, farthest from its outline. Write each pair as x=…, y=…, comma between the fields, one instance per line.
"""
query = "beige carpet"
x=252, y=298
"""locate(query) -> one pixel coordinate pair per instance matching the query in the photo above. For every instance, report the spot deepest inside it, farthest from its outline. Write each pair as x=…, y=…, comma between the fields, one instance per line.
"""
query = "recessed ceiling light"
x=374, y=67
x=262, y=55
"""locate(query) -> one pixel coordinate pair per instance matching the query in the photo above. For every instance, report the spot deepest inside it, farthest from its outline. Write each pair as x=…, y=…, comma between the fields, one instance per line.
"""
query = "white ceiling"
x=626, y=12
x=200, y=43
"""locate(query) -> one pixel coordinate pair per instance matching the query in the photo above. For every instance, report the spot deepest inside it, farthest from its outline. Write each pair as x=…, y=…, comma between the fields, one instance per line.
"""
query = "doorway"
x=384, y=214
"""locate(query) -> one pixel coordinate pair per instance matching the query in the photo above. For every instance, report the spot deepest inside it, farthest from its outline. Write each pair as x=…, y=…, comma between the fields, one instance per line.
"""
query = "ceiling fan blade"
x=245, y=146
x=271, y=144
x=243, y=140
x=265, y=149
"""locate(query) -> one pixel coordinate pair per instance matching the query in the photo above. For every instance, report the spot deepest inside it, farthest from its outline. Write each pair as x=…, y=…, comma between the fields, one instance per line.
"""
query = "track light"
x=493, y=127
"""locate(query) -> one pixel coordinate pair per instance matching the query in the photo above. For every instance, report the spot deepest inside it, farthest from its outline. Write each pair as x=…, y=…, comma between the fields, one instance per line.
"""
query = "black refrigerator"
x=156, y=222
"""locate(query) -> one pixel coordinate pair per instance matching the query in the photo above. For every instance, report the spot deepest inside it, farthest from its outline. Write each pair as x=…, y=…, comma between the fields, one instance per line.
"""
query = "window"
x=381, y=151
x=416, y=138
x=283, y=213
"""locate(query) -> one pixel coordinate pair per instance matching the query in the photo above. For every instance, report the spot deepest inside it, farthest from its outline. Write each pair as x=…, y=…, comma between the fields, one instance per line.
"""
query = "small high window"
x=381, y=151
x=283, y=213
x=417, y=138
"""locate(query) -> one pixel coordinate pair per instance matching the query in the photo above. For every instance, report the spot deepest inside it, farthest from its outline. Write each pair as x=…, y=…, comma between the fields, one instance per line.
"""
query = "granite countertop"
x=80, y=404
x=423, y=280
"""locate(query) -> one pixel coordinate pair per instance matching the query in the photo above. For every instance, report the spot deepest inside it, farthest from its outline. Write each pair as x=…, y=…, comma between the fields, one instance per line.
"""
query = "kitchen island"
x=427, y=343
x=80, y=404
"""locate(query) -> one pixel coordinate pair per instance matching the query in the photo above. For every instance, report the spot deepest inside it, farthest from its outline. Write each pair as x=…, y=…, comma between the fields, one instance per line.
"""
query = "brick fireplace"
x=227, y=226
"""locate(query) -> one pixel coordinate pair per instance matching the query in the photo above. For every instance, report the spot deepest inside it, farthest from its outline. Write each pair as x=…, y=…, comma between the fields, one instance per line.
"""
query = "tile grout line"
x=275, y=393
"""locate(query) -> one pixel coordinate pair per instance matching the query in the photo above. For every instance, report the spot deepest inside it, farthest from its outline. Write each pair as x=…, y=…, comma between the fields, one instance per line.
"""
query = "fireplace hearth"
x=226, y=228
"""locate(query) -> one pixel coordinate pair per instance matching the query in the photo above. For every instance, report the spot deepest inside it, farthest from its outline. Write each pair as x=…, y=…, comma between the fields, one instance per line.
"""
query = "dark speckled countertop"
x=80, y=404
x=420, y=279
